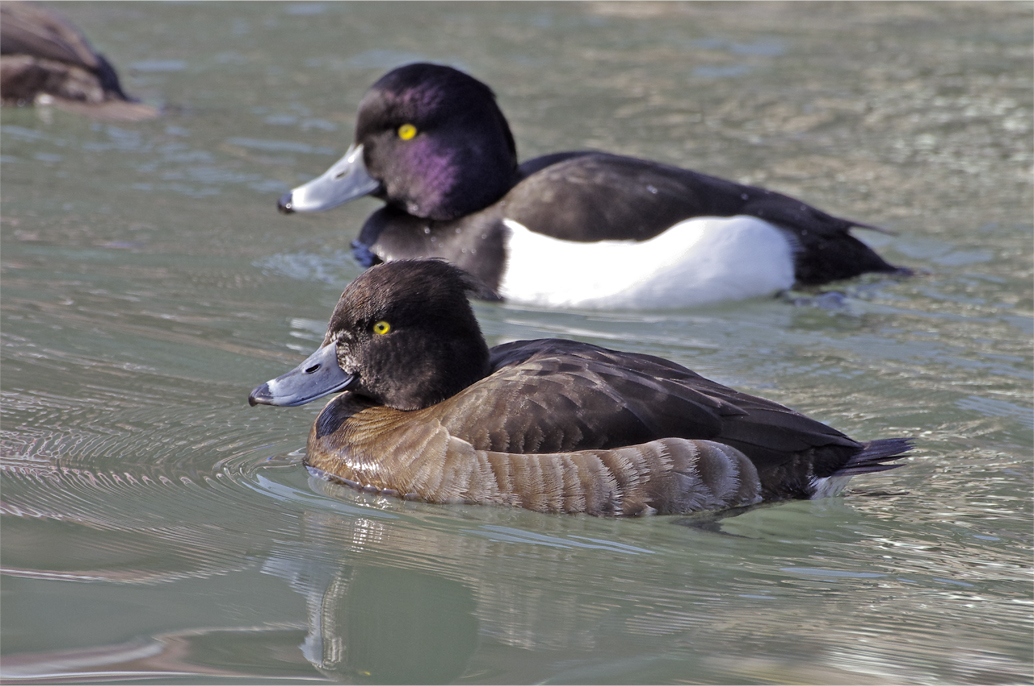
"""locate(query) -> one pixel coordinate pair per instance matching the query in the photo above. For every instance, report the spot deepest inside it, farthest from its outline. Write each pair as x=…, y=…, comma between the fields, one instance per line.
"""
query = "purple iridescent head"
x=436, y=141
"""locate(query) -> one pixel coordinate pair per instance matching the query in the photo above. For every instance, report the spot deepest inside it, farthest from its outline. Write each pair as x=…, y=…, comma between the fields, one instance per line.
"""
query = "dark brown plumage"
x=453, y=189
x=43, y=54
x=429, y=413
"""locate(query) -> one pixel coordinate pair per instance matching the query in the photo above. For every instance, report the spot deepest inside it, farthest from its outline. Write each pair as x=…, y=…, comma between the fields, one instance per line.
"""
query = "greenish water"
x=156, y=528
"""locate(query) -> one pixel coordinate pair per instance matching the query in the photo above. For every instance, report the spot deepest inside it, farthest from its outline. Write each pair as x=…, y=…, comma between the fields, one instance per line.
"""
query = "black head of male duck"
x=427, y=411
x=45, y=58
x=571, y=229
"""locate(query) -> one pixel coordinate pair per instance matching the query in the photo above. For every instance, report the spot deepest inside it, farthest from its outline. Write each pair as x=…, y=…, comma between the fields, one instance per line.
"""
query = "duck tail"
x=875, y=455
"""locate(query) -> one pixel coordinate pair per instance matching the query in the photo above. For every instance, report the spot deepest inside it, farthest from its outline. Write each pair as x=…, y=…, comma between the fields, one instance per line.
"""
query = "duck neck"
x=467, y=363
x=446, y=365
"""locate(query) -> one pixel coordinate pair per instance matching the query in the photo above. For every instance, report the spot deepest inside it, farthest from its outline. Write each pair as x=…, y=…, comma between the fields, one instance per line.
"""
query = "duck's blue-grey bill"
x=317, y=376
x=346, y=180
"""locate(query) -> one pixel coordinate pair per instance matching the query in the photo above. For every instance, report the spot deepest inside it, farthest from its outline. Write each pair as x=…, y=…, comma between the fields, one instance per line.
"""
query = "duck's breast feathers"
x=475, y=243
x=555, y=395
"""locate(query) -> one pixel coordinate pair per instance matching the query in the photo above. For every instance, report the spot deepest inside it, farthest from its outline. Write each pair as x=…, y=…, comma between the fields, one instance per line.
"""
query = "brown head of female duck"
x=427, y=411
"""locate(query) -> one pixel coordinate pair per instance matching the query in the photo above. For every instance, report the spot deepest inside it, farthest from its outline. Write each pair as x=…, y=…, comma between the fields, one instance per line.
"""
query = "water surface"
x=157, y=528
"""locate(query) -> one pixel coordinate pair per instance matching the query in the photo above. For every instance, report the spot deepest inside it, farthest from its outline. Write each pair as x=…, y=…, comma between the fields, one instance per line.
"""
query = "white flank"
x=697, y=261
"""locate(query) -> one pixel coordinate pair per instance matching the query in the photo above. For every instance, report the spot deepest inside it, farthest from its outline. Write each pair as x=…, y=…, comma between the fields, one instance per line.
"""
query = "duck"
x=580, y=229
x=45, y=59
x=424, y=410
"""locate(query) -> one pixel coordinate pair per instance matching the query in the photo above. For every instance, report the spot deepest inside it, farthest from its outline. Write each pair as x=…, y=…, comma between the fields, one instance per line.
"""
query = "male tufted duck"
x=426, y=411
x=571, y=229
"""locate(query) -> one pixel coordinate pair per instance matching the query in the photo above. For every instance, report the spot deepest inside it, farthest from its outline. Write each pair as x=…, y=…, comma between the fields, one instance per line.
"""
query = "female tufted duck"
x=426, y=411
x=44, y=58
x=571, y=229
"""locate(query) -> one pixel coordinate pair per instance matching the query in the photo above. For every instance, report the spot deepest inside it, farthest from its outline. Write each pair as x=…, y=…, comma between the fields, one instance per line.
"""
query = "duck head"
x=429, y=140
x=403, y=335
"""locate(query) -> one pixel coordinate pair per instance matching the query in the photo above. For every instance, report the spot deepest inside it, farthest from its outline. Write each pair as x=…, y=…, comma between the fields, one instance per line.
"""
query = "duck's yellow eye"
x=407, y=131
x=381, y=328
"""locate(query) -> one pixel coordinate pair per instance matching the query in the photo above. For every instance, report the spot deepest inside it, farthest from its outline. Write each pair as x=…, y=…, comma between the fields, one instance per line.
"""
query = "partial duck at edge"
x=45, y=59
x=426, y=411
x=571, y=229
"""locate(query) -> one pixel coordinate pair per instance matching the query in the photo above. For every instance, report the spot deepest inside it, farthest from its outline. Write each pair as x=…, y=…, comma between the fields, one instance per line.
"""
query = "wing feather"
x=556, y=396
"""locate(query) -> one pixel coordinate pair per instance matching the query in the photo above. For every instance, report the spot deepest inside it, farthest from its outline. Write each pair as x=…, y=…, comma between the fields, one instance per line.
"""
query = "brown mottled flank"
x=426, y=411
x=411, y=455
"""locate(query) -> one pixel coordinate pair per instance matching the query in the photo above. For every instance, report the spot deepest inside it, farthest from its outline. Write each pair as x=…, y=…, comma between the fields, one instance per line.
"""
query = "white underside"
x=696, y=262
